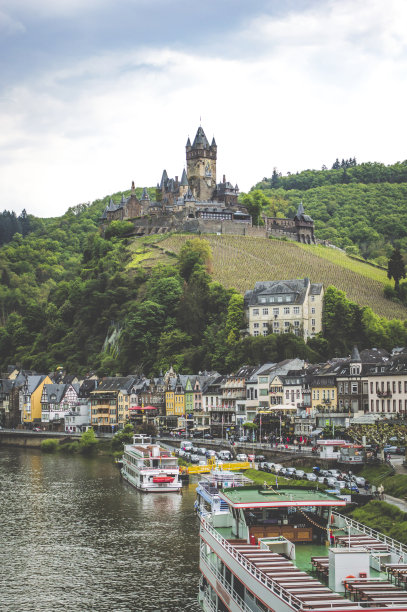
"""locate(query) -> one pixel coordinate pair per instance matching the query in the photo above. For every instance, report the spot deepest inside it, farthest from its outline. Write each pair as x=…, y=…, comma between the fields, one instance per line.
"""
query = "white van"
x=225, y=455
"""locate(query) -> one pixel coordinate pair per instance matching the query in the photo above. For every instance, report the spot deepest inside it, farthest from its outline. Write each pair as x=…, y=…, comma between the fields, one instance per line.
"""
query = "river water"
x=75, y=537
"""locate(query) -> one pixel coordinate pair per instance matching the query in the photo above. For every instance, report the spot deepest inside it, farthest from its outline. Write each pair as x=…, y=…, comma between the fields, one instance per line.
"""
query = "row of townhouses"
x=367, y=385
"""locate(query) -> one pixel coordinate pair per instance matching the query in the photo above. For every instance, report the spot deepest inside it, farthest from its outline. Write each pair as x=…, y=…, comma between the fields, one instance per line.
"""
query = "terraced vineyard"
x=241, y=261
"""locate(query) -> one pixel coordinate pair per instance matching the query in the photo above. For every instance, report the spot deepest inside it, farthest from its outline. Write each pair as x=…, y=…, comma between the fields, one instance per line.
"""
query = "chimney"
x=224, y=178
x=132, y=187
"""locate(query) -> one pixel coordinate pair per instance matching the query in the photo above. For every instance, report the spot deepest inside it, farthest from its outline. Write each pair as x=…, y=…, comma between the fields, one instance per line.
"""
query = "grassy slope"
x=240, y=262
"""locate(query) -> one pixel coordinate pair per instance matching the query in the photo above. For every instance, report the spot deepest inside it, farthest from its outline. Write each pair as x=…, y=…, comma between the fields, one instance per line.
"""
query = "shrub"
x=88, y=442
x=50, y=445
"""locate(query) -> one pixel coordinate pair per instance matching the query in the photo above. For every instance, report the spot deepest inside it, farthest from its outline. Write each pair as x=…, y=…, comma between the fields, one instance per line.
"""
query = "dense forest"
x=359, y=207
x=69, y=297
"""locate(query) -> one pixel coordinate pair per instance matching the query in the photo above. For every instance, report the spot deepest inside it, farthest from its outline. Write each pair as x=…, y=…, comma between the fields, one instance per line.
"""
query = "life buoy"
x=347, y=586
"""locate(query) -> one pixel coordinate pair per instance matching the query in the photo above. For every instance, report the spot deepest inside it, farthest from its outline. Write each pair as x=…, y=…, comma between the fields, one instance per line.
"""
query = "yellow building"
x=323, y=397
x=30, y=398
x=123, y=405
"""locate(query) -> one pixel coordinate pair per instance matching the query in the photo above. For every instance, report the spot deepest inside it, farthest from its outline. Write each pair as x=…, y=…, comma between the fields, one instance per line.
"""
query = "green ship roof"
x=252, y=497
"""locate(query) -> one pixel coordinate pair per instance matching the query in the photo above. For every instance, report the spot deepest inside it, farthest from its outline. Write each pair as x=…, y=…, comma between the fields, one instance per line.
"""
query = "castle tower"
x=201, y=166
x=183, y=186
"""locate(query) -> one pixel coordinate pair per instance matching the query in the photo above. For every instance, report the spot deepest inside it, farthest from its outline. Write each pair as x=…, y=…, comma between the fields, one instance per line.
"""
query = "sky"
x=97, y=93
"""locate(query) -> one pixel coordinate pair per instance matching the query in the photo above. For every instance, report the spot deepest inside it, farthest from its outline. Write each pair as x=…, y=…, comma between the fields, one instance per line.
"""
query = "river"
x=75, y=537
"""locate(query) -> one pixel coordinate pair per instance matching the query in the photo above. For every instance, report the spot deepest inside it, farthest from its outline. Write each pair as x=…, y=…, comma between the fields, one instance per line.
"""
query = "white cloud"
x=9, y=26
x=315, y=85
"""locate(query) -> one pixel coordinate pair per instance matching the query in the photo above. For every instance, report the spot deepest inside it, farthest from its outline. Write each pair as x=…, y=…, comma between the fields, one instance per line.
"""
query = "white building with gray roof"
x=285, y=306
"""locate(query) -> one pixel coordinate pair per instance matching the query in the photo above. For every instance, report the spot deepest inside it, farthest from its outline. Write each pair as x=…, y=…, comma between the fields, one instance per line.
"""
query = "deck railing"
x=291, y=600
x=394, y=545
x=228, y=587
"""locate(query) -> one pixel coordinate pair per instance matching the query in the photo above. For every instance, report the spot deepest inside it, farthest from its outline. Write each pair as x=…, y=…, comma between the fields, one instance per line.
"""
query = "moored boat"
x=267, y=550
x=150, y=468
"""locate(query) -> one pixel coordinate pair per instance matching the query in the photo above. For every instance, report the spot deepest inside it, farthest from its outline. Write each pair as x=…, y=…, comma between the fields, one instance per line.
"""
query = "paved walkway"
x=396, y=502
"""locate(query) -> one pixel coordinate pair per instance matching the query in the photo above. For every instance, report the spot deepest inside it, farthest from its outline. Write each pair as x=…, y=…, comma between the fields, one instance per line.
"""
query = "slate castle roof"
x=294, y=291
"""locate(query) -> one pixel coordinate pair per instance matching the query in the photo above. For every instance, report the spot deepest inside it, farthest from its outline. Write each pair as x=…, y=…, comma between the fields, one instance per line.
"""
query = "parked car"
x=401, y=450
x=259, y=458
x=207, y=436
x=210, y=453
x=390, y=449
x=290, y=471
x=262, y=466
x=180, y=452
x=202, y=451
x=359, y=480
x=225, y=455
x=321, y=479
x=299, y=474
x=282, y=472
x=241, y=457
x=334, y=473
x=277, y=467
x=310, y=476
x=250, y=457
x=186, y=445
x=194, y=458
x=341, y=484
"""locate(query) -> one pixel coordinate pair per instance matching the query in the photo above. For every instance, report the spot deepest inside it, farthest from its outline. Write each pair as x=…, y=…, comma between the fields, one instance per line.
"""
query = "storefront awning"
x=143, y=408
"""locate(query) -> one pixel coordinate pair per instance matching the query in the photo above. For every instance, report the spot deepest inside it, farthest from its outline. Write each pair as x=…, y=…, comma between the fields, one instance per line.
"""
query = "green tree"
x=88, y=442
x=234, y=319
x=396, y=269
x=193, y=252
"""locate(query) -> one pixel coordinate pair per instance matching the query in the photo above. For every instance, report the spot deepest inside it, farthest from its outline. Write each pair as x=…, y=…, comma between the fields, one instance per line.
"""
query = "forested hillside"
x=73, y=296
x=359, y=207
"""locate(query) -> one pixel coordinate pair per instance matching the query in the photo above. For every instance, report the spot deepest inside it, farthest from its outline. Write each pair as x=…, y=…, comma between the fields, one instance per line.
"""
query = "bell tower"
x=201, y=166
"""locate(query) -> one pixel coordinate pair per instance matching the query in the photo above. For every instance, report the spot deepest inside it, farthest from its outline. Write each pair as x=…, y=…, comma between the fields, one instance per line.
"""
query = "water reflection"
x=74, y=536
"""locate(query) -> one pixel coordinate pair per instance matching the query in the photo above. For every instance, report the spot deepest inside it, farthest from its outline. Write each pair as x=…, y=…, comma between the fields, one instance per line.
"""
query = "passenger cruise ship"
x=269, y=553
x=150, y=468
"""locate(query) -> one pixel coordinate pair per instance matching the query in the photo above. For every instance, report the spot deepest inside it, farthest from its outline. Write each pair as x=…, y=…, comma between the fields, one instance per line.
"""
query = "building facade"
x=285, y=306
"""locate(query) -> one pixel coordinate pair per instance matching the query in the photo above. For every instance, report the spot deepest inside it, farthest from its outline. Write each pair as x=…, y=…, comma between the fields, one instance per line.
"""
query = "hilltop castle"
x=197, y=203
x=196, y=196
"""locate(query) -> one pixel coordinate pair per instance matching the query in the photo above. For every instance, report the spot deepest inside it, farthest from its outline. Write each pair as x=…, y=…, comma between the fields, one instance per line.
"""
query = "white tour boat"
x=267, y=550
x=150, y=468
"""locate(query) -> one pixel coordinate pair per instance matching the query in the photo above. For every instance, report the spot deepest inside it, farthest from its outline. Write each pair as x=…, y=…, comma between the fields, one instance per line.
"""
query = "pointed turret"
x=164, y=179
x=184, y=180
x=144, y=196
x=213, y=143
x=300, y=210
x=112, y=206
x=188, y=142
x=201, y=141
x=123, y=200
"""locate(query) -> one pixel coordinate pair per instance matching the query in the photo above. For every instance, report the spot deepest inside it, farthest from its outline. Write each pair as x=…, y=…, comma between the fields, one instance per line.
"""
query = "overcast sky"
x=97, y=93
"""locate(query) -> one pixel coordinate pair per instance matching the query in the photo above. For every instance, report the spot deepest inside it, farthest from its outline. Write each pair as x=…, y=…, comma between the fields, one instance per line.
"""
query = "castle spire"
x=300, y=210
x=201, y=141
x=184, y=180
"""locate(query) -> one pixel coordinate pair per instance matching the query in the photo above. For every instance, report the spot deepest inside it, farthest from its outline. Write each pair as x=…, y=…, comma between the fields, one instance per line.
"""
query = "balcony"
x=384, y=394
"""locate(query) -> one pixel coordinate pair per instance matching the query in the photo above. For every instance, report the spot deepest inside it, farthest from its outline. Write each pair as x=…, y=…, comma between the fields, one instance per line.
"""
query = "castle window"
x=312, y=298
x=296, y=310
x=265, y=324
x=276, y=311
x=286, y=310
x=313, y=310
x=265, y=332
x=280, y=298
x=256, y=325
x=265, y=311
x=255, y=312
x=312, y=321
x=255, y=333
